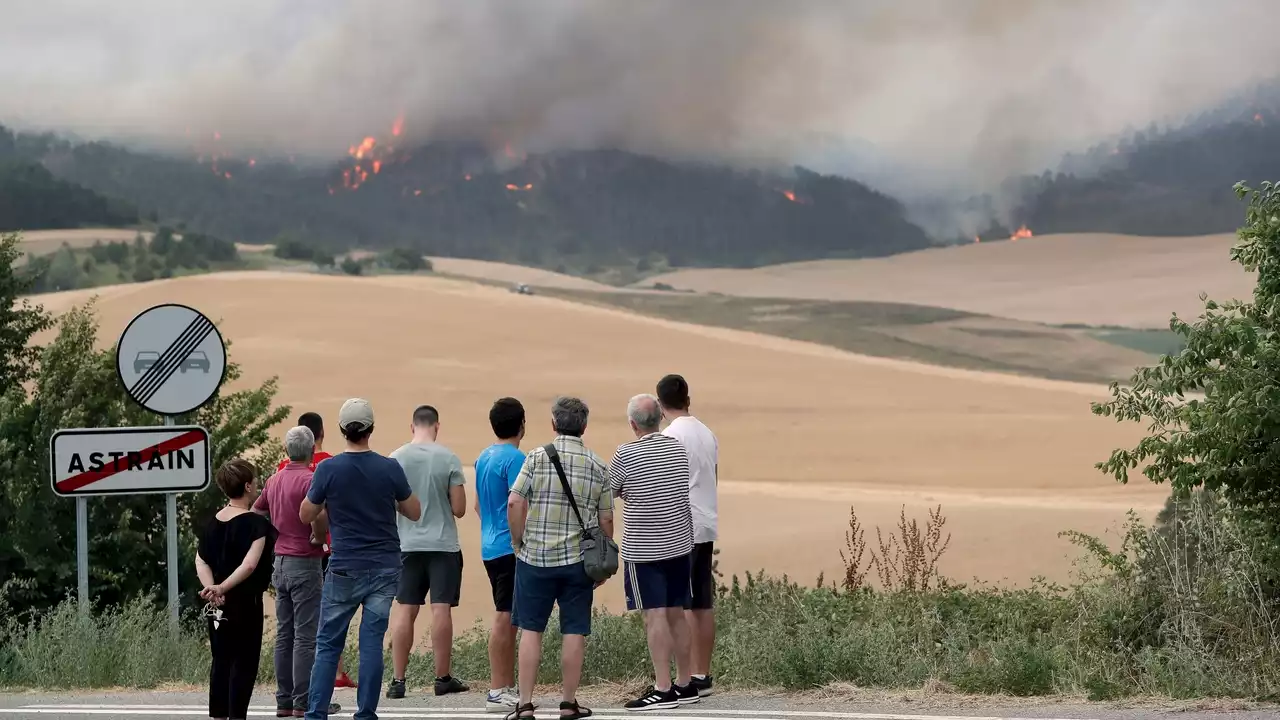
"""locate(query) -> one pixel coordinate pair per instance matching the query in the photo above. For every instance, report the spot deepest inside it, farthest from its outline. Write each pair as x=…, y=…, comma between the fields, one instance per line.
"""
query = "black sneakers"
x=448, y=685
x=703, y=684
x=395, y=690
x=655, y=699
x=686, y=695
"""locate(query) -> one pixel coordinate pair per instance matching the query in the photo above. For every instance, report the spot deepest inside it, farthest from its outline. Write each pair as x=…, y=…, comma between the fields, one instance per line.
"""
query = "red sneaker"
x=343, y=681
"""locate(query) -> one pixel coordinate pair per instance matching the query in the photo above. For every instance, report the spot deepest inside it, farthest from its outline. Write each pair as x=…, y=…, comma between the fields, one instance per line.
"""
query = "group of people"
x=361, y=529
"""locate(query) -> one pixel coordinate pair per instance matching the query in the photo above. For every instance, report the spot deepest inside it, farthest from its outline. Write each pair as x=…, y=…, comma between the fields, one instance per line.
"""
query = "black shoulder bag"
x=599, y=551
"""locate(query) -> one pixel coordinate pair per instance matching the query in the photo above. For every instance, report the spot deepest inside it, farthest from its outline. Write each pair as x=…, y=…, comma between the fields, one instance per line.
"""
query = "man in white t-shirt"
x=703, y=450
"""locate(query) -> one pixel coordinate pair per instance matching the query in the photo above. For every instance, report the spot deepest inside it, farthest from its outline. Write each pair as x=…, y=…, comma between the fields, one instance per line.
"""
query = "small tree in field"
x=1214, y=408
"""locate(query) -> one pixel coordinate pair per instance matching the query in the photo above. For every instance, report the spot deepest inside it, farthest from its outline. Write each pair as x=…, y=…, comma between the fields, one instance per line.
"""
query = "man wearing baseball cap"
x=361, y=492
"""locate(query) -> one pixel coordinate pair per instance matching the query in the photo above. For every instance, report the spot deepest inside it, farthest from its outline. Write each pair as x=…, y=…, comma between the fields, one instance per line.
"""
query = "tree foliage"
x=76, y=386
x=1214, y=408
x=20, y=320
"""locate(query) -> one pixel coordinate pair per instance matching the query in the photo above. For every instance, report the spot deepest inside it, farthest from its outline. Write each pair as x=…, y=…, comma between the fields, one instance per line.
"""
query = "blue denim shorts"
x=538, y=589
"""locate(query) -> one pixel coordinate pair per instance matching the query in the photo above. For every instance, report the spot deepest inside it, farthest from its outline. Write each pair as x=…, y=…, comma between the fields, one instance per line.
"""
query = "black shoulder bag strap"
x=554, y=457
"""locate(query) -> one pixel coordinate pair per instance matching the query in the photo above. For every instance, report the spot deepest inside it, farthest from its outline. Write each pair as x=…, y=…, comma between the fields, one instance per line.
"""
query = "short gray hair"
x=569, y=416
x=299, y=443
x=645, y=412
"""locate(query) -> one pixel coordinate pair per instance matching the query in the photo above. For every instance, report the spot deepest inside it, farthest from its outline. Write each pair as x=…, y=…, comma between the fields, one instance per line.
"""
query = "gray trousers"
x=298, y=582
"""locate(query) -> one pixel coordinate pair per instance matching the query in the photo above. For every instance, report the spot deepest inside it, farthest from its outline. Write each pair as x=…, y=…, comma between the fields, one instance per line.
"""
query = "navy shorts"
x=538, y=589
x=703, y=580
x=658, y=584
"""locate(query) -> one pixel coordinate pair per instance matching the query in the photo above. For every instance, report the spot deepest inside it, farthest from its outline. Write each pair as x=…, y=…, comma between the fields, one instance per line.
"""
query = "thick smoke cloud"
x=916, y=95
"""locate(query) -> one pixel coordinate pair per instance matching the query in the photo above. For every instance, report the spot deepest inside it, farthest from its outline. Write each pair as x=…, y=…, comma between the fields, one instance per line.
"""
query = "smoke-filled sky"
x=964, y=90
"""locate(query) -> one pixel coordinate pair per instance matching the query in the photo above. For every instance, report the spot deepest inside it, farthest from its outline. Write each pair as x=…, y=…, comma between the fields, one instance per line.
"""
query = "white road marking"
x=470, y=712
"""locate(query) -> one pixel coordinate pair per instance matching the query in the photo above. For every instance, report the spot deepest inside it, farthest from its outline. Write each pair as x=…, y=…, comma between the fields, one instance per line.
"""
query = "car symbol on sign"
x=197, y=360
x=144, y=360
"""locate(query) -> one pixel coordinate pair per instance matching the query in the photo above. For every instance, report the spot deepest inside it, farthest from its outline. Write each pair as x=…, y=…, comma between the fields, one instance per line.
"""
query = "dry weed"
x=906, y=560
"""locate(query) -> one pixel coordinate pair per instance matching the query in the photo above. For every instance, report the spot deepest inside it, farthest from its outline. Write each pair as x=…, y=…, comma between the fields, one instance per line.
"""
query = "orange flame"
x=467, y=178
x=228, y=175
x=1021, y=234
x=417, y=192
x=398, y=126
x=790, y=195
x=377, y=166
x=512, y=187
x=528, y=186
x=252, y=162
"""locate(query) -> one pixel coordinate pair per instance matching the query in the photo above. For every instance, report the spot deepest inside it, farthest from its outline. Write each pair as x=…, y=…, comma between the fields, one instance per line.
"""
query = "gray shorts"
x=436, y=573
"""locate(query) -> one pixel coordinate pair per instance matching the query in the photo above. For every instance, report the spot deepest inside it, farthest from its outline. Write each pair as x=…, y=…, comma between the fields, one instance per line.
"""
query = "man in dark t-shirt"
x=360, y=491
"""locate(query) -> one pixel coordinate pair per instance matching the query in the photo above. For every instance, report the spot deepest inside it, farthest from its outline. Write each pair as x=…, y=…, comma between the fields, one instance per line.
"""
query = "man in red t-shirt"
x=313, y=422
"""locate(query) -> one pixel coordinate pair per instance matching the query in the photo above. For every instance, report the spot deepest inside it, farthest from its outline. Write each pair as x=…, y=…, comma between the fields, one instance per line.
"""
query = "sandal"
x=578, y=713
x=519, y=712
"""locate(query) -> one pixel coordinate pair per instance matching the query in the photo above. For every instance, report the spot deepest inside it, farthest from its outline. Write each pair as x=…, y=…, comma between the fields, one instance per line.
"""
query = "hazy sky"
x=970, y=90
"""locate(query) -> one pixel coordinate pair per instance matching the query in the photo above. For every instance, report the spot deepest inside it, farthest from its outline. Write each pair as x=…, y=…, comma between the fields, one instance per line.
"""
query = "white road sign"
x=171, y=359
x=111, y=461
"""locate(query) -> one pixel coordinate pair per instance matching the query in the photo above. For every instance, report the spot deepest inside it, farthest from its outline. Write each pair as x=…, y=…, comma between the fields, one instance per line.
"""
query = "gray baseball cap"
x=356, y=411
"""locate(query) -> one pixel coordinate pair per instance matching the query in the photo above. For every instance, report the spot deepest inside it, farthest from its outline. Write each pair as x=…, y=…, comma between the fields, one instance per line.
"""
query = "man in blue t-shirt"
x=496, y=471
x=360, y=491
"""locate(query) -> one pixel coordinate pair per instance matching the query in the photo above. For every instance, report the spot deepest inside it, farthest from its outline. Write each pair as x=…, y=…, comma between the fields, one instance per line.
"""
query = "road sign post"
x=82, y=554
x=171, y=360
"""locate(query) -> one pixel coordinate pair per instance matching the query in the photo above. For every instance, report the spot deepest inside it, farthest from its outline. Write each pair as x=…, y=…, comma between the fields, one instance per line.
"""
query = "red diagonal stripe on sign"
x=177, y=442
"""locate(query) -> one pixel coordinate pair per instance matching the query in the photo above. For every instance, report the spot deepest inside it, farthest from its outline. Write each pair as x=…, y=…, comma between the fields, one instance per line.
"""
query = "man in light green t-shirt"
x=430, y=555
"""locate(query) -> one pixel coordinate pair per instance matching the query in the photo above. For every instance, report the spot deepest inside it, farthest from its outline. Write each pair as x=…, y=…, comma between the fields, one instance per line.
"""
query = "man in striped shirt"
x=651, y=475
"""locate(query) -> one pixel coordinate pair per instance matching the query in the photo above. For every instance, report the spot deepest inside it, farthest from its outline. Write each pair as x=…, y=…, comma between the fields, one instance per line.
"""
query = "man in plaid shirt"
x=547, y=539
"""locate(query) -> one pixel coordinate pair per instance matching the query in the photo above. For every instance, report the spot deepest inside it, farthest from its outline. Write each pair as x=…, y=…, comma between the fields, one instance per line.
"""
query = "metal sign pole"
x=171, y=530
x=82, y=554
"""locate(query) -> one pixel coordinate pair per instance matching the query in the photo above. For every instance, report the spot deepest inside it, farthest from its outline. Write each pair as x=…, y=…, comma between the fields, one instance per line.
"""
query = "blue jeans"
x=344, y=591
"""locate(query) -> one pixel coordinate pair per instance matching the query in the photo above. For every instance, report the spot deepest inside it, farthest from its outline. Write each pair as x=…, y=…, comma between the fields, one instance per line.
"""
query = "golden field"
x=806, y=431
x=1093, y=279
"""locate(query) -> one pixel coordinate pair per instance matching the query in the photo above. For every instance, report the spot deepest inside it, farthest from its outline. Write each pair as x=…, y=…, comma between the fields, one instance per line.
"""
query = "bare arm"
x=517, y=513
x=606, y=523
x=309, y=511
x=458, y=500
x=410, y=507
x=204, y=572
x=246, y=568
x=320, y=526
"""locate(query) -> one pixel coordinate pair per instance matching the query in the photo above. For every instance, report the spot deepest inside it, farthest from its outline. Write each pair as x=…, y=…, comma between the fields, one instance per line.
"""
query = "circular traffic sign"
x=171, y=359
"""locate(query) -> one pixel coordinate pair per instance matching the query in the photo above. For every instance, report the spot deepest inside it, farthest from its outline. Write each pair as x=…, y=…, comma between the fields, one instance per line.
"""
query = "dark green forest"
x=1161, y=181
x=573, y=208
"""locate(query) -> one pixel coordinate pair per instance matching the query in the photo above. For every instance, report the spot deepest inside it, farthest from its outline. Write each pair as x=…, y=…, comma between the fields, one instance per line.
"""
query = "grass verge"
x=1148, y=619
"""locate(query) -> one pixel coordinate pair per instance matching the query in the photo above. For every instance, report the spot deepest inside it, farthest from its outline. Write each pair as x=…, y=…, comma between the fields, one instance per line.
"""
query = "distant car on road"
x=522, y=289
x=197, y=360
x=144, y=360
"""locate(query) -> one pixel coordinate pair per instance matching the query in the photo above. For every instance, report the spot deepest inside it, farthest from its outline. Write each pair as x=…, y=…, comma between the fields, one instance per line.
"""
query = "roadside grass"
x=1178, y=611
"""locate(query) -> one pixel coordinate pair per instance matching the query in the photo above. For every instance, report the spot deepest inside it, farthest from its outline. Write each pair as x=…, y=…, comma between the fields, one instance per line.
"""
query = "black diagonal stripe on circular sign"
x=171, y=360
x=165, y=360
x=184, y=351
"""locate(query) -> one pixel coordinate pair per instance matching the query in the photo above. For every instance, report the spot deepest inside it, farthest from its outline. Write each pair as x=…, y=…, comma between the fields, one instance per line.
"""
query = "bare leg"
x=679, y=644
x=442, y=637
x=502, y=652
x=571, y=654
x=702, y=626
x=530, y=657
x=402, y=620
x=659, y=632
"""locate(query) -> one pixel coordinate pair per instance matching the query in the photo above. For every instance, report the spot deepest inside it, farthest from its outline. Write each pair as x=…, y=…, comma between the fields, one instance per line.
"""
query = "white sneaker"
x=503, y=700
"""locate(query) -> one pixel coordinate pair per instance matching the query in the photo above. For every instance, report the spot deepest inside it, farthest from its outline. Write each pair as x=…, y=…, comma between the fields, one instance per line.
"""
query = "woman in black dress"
x=233, y=560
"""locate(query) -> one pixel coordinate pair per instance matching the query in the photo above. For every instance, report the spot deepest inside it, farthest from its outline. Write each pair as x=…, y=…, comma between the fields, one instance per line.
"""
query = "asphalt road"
x=722, y=706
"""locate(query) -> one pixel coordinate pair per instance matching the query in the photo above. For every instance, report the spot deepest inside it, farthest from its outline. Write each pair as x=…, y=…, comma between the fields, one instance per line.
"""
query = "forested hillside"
x=579, y=209
x=31, y=198
x=1162, y=181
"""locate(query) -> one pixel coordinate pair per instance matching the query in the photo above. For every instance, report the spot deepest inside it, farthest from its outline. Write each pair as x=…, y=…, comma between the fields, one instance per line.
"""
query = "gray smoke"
x=918, y=96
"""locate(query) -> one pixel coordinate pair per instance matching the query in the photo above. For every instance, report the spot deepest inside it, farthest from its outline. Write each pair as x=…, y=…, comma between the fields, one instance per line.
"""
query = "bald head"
x=645, y=414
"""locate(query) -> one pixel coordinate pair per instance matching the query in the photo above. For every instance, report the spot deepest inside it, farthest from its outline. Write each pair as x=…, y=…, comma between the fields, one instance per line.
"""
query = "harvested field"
x=805, y=430
x=1094, y=279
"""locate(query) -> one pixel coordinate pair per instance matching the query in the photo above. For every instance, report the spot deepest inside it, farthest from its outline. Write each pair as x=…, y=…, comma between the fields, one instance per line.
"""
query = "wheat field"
x=806, y=431
x=1092, y=279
